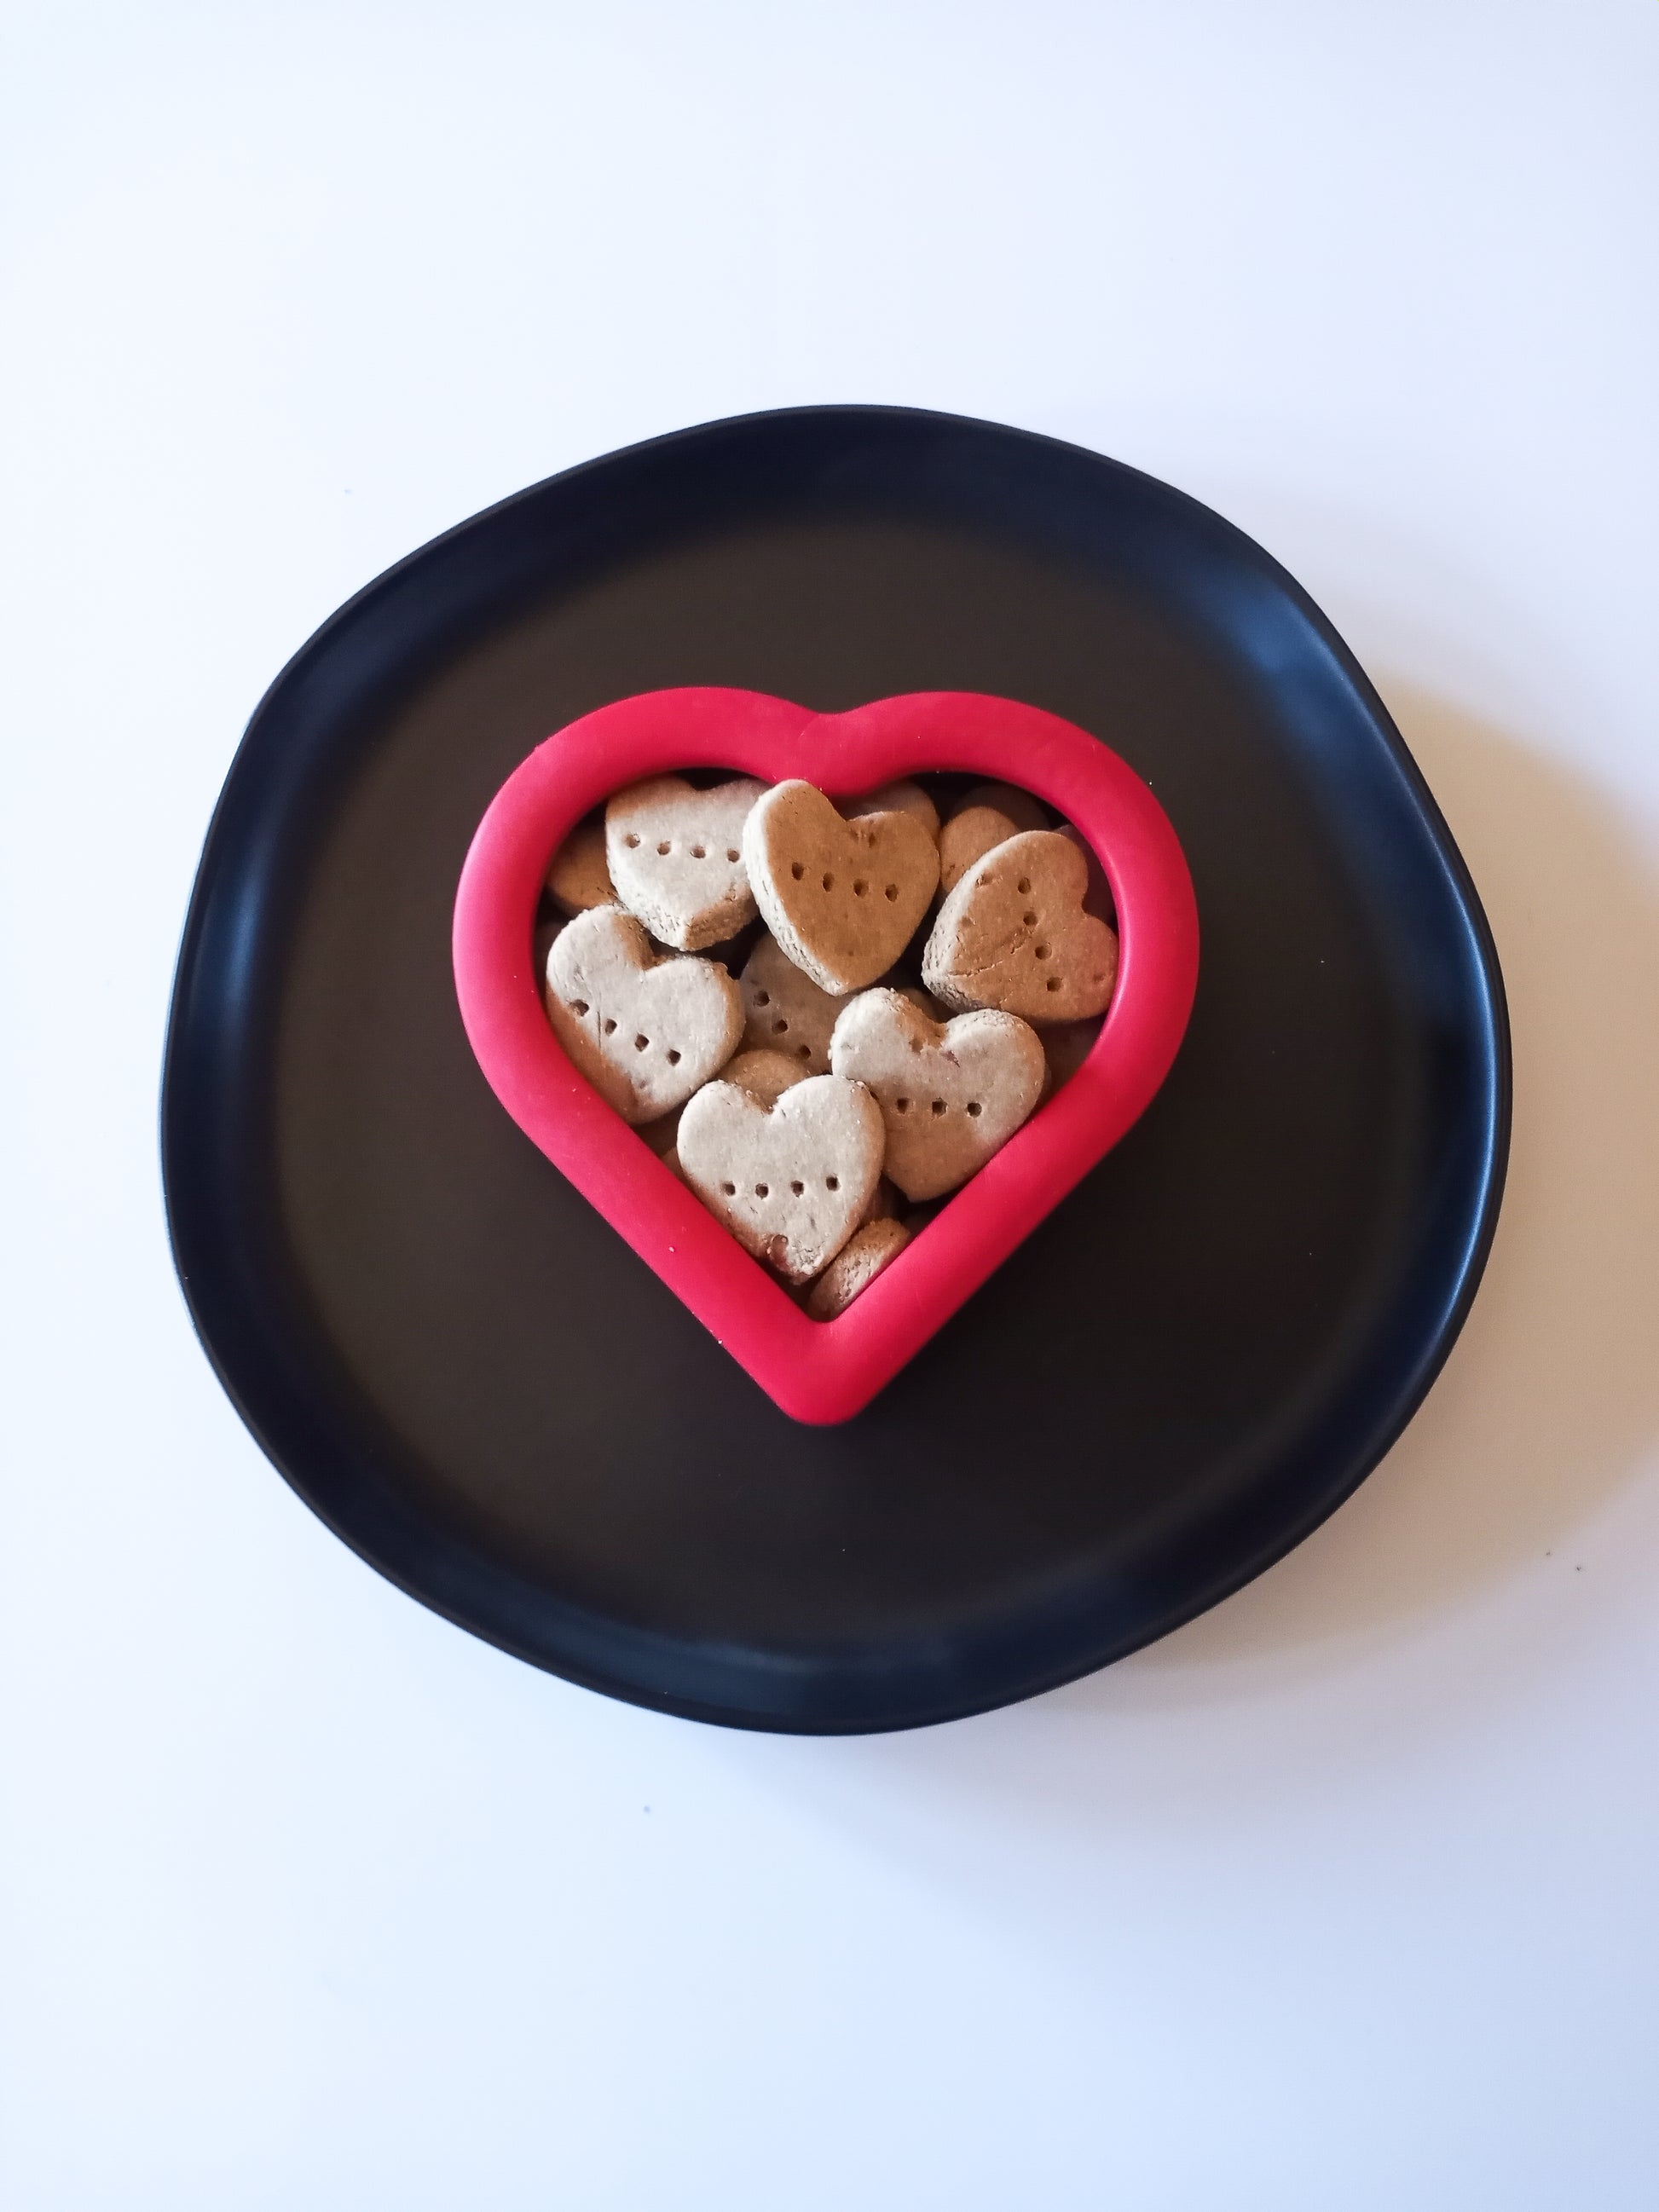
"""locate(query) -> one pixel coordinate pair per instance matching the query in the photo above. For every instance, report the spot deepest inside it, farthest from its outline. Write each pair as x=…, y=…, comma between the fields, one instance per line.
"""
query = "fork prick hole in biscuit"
x=579, y=1007
x=673, y=1057
x=1029, y=920
x=1023, y=885
x=828, y=882
x=938, y=1105
x=730, y=1190
x=975, y=1109
x=610, y=1025
x=892, y=891
x=832, y=1182
x=859, y=887
x=731, y=852
x=698, y=853
x=798, y=1188
x=630, y=839
x=796, y=870
x=903, y=1105
x=763, y=998
x=762, y=1190
x=641, y=1043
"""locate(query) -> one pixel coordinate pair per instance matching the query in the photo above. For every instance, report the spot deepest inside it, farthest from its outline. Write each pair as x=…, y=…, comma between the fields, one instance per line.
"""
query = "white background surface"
x=1345, y=1896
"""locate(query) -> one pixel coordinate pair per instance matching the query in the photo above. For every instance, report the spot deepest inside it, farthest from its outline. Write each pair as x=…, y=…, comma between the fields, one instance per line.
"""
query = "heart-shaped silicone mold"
x=822, y=1370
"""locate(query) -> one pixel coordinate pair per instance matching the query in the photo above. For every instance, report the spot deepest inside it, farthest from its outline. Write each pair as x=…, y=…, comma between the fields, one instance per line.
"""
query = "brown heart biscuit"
x=578, y=877
x=923, y=1001
x=675, y=854
x=950, y=1094
x=644, y=1031
x=1097, y=899
x=791, y=1181
x=1021, y=809
x=967, y=837
x=841, y=898
x=763, y=1075
x=902, y=798
x=784, y=1011
x=855, y=1266
x=1013, y=935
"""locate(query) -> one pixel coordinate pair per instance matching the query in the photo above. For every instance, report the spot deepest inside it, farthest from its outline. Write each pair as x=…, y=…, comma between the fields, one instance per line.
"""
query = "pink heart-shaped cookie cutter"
x=822, y=1370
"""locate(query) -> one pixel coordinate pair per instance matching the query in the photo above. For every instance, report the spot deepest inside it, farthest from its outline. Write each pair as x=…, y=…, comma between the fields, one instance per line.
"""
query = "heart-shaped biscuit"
x=1097, y=899
x=791, y=1181
x=901, y=798
x=675, y=854
x=1014, y=935
x=763, y=1075
x=784, y=1011
x=644, y=1031
x=951, y=1094
x=968, y=836
x=842, y=899
x=577, y=877
x=1025, y=811
x=865, y=1255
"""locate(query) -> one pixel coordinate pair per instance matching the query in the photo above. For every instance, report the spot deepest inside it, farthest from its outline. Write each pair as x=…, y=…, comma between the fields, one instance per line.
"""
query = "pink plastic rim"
x=822, y=1371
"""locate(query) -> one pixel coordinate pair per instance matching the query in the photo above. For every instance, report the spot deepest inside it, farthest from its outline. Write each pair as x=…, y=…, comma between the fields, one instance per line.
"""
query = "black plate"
x=473, y=1381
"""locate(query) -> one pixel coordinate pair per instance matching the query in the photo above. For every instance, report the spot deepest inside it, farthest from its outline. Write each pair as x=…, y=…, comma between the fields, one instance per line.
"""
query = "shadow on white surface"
x=1550, y=1400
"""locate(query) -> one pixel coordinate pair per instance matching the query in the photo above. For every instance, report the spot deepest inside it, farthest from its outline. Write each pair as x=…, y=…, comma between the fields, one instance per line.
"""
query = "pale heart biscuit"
x=578, y=877
x=1021, y=809
x=543, y=943
x=951, y=1094
x=1013, y=935
x=763, y=1075
x=855, y=1266
x=791, y=1181
x=902, y=798
x=842, y=898
x=676, y=856
x=644, y=1031
x=784, y=1011
x=967, y=837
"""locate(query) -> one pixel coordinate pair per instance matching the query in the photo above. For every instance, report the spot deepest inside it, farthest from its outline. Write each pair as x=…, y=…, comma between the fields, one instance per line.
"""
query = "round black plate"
x=475, y=1382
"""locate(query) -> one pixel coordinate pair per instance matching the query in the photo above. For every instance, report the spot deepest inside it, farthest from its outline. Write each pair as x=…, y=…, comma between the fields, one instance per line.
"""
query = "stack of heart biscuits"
x=825, y=1016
